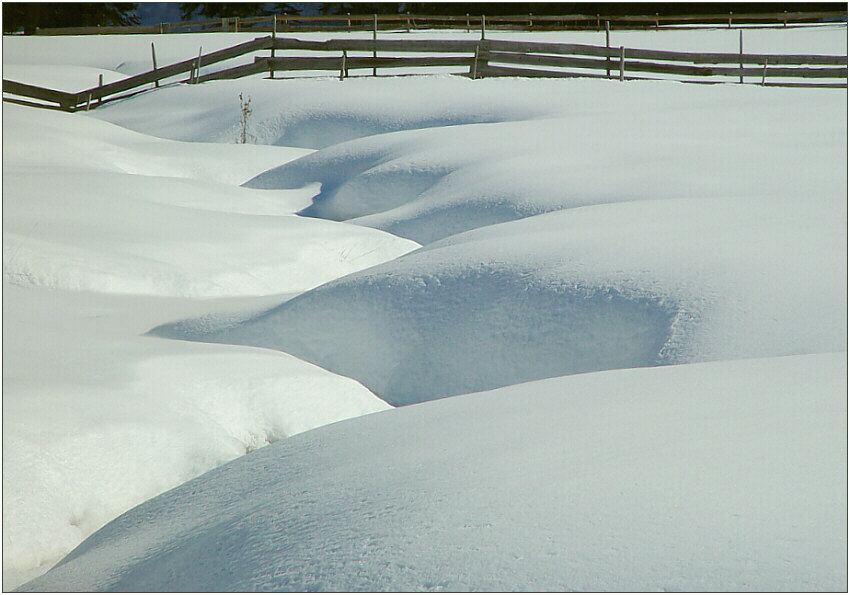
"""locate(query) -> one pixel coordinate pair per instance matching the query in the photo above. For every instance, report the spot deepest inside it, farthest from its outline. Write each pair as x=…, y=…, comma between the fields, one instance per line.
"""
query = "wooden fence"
x=408, y=22
x=479, y=59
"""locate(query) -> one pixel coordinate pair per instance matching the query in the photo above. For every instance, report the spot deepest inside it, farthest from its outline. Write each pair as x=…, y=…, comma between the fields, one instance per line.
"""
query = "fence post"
x=274, y=37
x=99, y=85
x=224, y=24
x=467, y=23
x=285, y=22
x=598, y=27
x=608, y=48
x=741, y=50
x=764, y=72
x=349, y=21
x=88, y=103
x=622, y=63
x=784, y=18
x=656, y=21
x=342, y=66
x=198, y=65
x=408, y=21
x=375, y=40
x=730, y=19
x=236, y=24
x=483, y=26
x=474, y=70
x=530, y=22
x=153, y=57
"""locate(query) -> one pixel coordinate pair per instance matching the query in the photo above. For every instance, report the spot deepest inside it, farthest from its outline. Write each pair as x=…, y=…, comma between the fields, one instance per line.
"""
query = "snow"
x=569, y=229
x=611, y=286
x=107, y=233
x=728, y=476
x=641, y=142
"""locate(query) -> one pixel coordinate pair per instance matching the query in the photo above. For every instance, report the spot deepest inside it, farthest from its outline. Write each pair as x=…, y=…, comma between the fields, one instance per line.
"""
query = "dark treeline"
x=29, y=15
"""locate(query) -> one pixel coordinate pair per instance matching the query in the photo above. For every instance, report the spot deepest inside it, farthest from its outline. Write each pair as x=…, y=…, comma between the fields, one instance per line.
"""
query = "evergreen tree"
x=29, y=15
x=215, y=10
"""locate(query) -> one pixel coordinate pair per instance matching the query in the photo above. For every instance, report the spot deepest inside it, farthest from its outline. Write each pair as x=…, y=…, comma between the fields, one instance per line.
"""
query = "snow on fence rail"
x=409, y=22
x=482, y=58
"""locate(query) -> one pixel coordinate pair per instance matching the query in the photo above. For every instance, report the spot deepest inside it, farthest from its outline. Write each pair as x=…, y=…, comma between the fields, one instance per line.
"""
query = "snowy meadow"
x=424, y=332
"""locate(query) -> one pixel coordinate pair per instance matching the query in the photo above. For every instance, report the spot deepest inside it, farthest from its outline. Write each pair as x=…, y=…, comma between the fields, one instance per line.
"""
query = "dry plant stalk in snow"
x=245, y=106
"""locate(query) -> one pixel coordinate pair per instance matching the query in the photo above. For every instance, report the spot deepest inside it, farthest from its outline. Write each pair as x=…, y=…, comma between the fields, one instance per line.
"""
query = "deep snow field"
x=634, y=296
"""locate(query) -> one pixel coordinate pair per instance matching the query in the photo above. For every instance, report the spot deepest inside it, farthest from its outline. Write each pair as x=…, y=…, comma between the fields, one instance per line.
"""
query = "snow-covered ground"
x=709, y=477
x=568, y=226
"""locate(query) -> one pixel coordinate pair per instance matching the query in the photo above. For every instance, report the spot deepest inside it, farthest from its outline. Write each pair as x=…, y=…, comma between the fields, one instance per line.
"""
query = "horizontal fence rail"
x=407, y=21
x=479, y=58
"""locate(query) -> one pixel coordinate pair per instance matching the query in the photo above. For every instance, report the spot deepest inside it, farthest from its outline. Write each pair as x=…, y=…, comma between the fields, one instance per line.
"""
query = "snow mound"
x=611, y=286
x=319, y=112
x=98, y=420
x=74, y=219
x=615, y=481
x=671, y=142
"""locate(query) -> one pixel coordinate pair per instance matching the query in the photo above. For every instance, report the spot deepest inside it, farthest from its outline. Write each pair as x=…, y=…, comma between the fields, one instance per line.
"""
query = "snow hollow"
x=578, y=334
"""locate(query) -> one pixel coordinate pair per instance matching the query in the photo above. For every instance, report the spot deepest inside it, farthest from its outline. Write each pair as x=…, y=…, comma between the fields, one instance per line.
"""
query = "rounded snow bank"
x=611, y=286
x=594, y=146
x=728, y=476
x=321, y=112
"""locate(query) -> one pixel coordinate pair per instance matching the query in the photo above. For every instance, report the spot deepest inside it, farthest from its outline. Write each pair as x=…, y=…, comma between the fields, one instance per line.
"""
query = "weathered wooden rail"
x=479, y=58
x=407, y=21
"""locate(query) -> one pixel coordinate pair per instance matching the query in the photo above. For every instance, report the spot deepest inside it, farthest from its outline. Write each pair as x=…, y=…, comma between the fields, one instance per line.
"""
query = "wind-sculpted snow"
x=323, y=112
x=728, y=476
x=75, y=219
x=671, y=142
x=612, y=286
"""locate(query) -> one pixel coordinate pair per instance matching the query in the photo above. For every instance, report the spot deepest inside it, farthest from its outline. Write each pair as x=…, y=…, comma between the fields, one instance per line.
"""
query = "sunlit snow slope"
x=107, y=233
x=570, y=226
x=709, y=477
x=612, y=286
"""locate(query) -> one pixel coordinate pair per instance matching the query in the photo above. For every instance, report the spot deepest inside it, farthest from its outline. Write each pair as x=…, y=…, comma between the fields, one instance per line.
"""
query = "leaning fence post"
x=153, y=57
x=198, y=65
x=375, y=42
x=622, y=63
x=764, y=72
x=342, y=66
x=608, y=49
x=88, y=103
x=741, y=50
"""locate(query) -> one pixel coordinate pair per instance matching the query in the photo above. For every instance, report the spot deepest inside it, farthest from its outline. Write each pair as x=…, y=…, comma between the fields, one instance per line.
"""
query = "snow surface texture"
x=727, y=476
x=109, y=233
x=97, y=417
x=194, y=236
x=611, y=286
x=663, y=140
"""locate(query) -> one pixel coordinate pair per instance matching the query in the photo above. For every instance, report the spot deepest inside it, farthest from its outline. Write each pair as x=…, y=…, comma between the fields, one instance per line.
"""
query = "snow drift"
x=74, y=219
x=729, y=476
x=636, y=142
x=611, y=286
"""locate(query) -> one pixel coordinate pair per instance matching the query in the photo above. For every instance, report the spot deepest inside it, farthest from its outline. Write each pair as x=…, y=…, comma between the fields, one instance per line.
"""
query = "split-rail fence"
x=409, y=22
x=478, y=58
